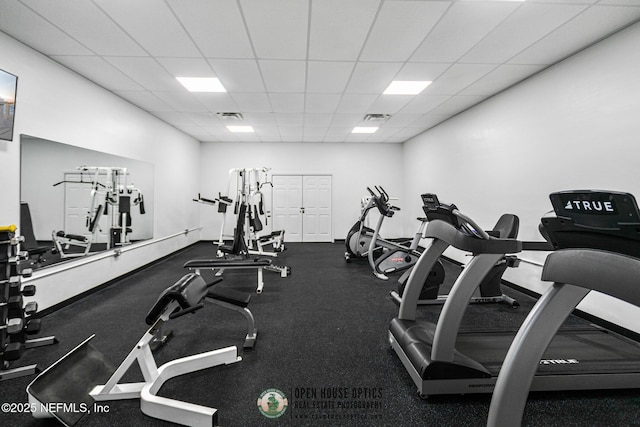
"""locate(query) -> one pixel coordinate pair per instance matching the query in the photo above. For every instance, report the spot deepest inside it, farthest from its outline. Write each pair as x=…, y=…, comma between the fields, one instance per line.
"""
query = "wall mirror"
x=76, y=202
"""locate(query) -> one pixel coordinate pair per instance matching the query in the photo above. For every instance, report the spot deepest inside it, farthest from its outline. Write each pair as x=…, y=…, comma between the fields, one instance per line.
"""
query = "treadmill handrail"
x=575, y=272
x=438, y=229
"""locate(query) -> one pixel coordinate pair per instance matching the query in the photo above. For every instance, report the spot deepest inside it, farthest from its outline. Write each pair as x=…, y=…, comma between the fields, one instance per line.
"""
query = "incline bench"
x=84, y=374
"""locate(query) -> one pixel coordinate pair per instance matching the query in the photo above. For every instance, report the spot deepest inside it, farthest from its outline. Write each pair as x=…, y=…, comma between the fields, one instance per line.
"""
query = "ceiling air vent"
x=230, y=116
x=376, y=117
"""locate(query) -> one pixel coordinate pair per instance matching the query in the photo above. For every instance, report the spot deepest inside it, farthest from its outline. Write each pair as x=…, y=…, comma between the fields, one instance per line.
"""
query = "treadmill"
x=597, y=235
x=443, y=360
x=489, y=289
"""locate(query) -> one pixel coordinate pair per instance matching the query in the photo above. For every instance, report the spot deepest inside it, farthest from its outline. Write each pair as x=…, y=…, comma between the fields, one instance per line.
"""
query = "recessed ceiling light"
x=400, y=87
x=241, y=128
x=202, y=84
x=364, y=129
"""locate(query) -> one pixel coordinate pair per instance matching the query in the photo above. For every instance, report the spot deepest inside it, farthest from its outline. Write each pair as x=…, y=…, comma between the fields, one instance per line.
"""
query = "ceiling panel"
x=208, y=121
x=283, y=76
x=291, y=131
x=501, y=78
x=217, y=102
x=339, y=28
x=372, y=77
x=145, y=100
x=278, y=28
x=261, y=119
x=27, y=26
x=89, y=24
x=181, y=101
x=317, y=119
x=252, y=102
x=267, y=131
x=355, y=103
x=400, y=27
x=99, y=71
x=424, y=103
x=328, y=76
x=289, y=119
x=346, y=120
x=421, y=71
x=187, y=67
x=287, y=102
x=528, y=24
x=175, y=118
x=146, y=71
x=446, y=43
x=586, y=28
x=458, y=77
x=456, y=104
x=389, y=104
x=321, y=102
x=153, y=25
x=303, y=70
x=238, y=75
x=216, y=27
x=401, y=120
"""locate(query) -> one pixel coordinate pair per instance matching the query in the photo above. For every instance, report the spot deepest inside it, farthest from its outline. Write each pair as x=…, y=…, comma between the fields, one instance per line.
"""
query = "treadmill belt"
x=573, y=350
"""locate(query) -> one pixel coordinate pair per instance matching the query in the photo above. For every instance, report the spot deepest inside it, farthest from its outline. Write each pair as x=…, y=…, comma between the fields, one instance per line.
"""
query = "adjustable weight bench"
x=221, y=264
x=237, y=301
x=84, y=374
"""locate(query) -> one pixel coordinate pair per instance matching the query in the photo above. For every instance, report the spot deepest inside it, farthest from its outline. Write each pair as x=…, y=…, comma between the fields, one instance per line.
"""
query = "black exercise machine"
x=598, y=248
x=401, y=259
x=236, y=256
x=442, y=360
x=85, y=375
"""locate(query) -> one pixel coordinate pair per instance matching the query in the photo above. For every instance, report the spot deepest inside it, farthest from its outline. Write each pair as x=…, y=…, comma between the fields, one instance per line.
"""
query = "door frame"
x=302, y=174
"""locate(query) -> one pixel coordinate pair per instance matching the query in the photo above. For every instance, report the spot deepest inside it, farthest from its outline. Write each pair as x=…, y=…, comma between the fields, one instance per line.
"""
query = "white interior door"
x=316, y=202
x=287, y=201
x=302, y=207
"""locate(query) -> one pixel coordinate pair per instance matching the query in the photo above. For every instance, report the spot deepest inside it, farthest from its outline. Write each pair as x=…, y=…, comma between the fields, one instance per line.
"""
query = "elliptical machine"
x=360, y=236
x=397, y=257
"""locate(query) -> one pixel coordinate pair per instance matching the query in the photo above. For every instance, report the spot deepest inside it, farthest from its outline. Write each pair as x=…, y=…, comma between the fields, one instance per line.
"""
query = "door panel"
x=287, y=201
x=317, y=208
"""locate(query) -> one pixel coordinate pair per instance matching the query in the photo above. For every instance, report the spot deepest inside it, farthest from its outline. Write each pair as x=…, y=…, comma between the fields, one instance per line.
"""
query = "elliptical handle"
x=371, y=192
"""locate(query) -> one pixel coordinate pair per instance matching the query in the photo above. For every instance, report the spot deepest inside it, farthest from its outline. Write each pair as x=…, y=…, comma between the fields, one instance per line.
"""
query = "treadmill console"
x=433, y=210
x=594, y=219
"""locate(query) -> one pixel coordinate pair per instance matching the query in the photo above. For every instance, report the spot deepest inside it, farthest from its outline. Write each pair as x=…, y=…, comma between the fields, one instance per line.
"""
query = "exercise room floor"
x=322, y=341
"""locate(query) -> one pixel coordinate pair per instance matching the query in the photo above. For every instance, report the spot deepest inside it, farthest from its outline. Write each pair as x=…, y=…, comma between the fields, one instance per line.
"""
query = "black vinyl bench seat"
x=221, y=264
x=77, y=237
x=231, y=296
x=227, y=263
x=187, y=292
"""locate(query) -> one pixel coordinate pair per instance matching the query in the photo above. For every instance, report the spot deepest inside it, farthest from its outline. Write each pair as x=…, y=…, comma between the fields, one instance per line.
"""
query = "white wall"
x=56, y=104
x=354, y=167
x=573, y=126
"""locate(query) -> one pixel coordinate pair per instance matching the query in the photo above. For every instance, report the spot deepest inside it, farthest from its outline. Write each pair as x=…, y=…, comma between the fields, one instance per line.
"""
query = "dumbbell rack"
x=16, y=321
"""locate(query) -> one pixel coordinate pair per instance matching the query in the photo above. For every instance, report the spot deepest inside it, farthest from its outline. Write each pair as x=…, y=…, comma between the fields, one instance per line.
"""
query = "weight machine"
x=249, y=184
x=111, y=195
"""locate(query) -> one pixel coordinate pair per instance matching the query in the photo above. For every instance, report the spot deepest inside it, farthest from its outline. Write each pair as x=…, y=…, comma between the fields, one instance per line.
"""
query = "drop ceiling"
x=310, y=70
